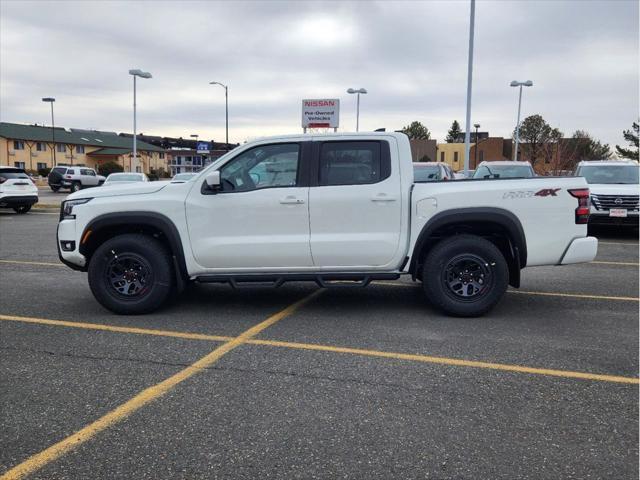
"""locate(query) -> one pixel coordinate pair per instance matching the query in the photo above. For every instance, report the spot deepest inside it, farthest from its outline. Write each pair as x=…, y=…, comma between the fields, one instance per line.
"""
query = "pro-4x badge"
x=546, y=192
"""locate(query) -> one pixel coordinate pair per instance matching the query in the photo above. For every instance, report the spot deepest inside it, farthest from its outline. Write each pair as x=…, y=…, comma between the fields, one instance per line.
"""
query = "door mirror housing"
x=213, y=181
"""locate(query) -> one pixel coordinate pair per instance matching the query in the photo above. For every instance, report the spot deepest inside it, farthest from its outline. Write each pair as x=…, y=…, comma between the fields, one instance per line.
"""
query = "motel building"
x=31, y=147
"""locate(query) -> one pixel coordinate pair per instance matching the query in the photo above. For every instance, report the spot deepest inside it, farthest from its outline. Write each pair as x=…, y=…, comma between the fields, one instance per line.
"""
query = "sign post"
x=321, y=113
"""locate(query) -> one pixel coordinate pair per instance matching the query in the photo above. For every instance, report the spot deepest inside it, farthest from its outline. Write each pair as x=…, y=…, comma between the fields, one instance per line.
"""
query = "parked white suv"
x=614, y=191
x=322, y=208
x=17, y=190
x=73, y=178
x=504, y=169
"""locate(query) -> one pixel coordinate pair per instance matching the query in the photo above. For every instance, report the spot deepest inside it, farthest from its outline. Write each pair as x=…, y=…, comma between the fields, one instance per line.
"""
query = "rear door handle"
x=383, y=197
x=291, y=200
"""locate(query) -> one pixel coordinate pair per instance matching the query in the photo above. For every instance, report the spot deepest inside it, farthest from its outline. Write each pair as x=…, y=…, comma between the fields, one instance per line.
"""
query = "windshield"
x=612, y=174
x=426, y=174
x=124, y=178
x=503, y=171
x=6, y=173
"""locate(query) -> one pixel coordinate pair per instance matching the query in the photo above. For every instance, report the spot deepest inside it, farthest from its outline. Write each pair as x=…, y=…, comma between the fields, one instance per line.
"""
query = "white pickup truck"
x=339, y=209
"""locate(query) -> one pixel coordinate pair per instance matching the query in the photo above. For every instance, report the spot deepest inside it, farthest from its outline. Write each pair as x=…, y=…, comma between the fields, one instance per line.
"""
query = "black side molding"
x=475, y=216
x=153, y=220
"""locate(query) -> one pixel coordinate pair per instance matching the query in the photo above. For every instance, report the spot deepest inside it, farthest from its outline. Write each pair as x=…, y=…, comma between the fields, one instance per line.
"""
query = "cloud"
x=411, y=57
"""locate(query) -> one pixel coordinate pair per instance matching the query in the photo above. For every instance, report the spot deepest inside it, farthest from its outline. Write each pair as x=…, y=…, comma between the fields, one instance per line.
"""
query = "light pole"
x=226, y=110
x=136, y=73
x=53, y=130
x=516, y=83
x=477, y=125
x=358, y=92
x=467, y=134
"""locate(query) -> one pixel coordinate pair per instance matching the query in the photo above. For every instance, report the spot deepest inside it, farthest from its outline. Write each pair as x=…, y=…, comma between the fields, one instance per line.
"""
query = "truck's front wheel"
x=131, y=274
x=465, y=275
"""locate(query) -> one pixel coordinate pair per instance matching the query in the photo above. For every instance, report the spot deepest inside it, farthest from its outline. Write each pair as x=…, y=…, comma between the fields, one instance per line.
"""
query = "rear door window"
x=353, y=163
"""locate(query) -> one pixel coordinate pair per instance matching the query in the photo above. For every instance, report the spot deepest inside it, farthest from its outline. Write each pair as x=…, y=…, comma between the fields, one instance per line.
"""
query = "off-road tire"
x=447, y=284
x=154, y=261
x=75, y=187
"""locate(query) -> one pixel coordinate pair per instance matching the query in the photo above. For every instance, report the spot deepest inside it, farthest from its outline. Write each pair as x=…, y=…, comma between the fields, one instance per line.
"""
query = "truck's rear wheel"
x=131, y=274
x=76, y=186
x=465, y=275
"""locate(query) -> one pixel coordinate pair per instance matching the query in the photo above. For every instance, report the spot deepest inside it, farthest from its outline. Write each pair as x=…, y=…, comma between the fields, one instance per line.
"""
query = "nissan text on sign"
x=321, y=113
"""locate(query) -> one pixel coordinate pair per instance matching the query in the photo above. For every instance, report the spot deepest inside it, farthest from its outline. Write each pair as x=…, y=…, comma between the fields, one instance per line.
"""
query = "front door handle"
x=383, y=197
x=291, y=200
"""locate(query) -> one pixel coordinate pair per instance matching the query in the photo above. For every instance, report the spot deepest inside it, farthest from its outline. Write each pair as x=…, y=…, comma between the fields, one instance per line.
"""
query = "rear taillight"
x=582, y=212
x=67, y=176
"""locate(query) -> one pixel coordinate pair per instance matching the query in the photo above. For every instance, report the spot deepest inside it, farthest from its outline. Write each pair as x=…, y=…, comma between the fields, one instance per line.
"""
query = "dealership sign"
x=321, y=113
x=203, y=147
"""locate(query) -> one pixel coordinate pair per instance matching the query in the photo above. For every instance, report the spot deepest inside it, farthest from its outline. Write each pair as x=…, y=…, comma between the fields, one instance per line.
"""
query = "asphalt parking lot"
x=297, y=382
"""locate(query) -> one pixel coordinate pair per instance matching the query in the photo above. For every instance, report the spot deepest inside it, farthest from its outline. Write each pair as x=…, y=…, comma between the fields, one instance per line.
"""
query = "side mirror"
x=213, y=180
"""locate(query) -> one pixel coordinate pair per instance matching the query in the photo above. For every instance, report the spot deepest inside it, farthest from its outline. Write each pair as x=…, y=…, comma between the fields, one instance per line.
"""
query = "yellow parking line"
x=55, y=451
x=115, y=328
x=329, y=348
x=576, y=295
x=617, y=243
x=450, y=361
x=630, y=264
x=22, y=262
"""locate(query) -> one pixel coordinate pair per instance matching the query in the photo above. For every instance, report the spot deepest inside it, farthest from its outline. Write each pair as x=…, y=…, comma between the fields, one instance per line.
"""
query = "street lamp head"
x=139, y=73
x=359, y=90
x=477, y=125
x=48, y=99
x=218, y=83
x=516, y=83
x=528, y=83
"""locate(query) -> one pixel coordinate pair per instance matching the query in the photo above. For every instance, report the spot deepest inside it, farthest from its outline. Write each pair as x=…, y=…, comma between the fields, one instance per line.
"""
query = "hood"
x=614, y=189
x=132, y=188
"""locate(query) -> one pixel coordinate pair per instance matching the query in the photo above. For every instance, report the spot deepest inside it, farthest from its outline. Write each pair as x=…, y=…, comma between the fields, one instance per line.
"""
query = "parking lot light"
x=226, y=110
x=53, y=130
x=516, y=83
x=358, y=92
x=136, y=73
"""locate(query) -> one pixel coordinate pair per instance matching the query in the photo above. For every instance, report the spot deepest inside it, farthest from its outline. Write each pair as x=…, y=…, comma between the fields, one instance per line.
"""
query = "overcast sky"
x=412, y=57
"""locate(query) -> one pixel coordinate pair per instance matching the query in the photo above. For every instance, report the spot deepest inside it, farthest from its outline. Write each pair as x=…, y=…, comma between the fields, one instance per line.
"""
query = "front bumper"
x=630, y=220
x=581, y=250
x=18, y=200
x=67, y=233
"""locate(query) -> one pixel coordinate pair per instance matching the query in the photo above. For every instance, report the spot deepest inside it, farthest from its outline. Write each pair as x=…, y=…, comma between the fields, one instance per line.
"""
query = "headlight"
x=66, y=210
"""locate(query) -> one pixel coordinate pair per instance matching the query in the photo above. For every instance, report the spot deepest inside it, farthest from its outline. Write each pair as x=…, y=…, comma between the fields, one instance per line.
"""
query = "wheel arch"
x=109, y=225
x=499, y=226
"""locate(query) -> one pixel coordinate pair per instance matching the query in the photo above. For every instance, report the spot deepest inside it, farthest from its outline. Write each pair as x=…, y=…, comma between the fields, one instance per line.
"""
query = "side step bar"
x=324, y=280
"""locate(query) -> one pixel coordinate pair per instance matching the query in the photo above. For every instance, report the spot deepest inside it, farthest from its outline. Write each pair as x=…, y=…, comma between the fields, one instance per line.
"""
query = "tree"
x=110, y=167
x=453, y=135
x=588, y=148
x=630, y=136
x=536, y=138
x=417, y=131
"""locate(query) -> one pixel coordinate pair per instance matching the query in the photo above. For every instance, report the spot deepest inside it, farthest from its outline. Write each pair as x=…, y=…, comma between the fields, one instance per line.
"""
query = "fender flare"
x=154, y=220
x=502, y=217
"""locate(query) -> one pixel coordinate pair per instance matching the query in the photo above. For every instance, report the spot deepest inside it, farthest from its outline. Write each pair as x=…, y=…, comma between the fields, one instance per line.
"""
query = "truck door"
x=260, y=218
x=355, y=205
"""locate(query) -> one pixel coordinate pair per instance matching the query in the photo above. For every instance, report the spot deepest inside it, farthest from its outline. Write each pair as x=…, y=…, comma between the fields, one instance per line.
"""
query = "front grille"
x=607, y=202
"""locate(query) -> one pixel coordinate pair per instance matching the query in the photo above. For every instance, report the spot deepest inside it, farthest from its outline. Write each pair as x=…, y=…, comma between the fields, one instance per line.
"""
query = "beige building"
x=452, y=154
x=32, y=147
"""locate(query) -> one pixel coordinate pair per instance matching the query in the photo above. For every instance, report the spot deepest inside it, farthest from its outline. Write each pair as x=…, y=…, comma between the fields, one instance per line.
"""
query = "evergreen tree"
x=417, y=131
x=453, y=135
x=630, y=136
